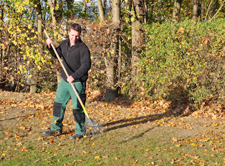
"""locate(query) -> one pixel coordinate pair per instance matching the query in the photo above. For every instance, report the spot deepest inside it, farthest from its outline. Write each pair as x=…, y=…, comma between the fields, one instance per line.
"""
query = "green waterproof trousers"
x=63, y=94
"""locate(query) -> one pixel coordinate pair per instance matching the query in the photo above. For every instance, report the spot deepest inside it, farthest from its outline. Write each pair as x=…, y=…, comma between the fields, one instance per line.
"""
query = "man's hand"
x=70, y=79
x=49, y=42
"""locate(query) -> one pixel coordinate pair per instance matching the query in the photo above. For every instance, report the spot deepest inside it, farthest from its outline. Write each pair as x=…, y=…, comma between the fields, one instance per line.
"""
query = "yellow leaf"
x=193, y=144
x=19, y=144
x=177, y=145
x=97, y=157
x=22, y=127
x=47, y=152
x=117, y=158
x=26, y=2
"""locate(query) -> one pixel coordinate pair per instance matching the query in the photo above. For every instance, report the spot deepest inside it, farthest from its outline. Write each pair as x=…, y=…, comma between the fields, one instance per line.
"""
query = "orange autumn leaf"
x=52, y=140
x=7, y=132
x=132, y=162
x=24, y=149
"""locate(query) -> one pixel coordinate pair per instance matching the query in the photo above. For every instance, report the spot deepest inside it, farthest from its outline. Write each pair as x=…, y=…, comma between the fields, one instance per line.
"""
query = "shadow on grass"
x=137, y=136
x=23, y=117
x=179, y=106
x=134, y=121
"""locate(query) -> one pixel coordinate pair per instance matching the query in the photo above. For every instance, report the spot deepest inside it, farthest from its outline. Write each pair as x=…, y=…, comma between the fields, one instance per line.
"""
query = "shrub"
x=184, y=62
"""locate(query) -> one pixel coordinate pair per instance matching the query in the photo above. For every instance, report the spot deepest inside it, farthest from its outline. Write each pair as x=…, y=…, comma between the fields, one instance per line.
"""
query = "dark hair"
x=75, y=27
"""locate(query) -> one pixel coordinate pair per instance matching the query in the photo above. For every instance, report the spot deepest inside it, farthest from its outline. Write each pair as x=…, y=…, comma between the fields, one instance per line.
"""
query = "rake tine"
x=93, y=128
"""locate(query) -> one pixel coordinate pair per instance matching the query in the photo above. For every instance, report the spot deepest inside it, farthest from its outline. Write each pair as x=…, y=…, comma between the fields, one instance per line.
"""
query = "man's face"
x=74, y=36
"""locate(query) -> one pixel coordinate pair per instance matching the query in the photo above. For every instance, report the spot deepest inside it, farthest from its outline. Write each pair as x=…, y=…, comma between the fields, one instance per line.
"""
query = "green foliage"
x=184, y=62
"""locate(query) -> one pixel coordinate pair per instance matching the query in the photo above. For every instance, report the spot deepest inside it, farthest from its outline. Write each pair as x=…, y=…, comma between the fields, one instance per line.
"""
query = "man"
x=77, y=62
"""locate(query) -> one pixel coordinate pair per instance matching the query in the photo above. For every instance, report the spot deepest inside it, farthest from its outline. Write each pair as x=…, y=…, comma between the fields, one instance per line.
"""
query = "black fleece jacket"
x=76, y=59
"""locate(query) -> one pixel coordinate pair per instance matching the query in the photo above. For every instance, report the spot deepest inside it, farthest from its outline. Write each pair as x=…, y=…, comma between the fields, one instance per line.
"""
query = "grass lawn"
x=134, y=137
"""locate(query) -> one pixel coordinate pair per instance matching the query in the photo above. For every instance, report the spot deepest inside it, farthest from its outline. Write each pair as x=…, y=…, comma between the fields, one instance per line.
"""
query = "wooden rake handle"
x=67, y=75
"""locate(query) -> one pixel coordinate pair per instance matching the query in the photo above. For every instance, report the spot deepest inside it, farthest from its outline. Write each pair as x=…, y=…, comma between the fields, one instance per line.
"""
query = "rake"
x=91, y=126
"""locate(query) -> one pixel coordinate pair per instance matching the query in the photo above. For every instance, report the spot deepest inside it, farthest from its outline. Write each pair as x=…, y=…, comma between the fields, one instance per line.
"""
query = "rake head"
x=93, y=128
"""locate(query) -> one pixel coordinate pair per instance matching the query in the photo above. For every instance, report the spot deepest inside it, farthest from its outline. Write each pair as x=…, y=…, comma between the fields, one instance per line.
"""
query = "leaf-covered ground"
x=138, y=133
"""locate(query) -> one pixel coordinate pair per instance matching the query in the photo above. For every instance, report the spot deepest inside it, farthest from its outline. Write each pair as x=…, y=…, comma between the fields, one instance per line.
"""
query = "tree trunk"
x=70, y=7
x=1, y=48
x=145, y=11
x=33, y=81
x=196, y=9
x=176, y=10
x=40, y=46
x=52, y=10
x=104, y=6
x=111, y=67
x=54, y=21
x=2, y=78
x=120, y=58
x=33, y=86
x=17, y=64
x=137, y=42
x=84, y=8
x=101, y=11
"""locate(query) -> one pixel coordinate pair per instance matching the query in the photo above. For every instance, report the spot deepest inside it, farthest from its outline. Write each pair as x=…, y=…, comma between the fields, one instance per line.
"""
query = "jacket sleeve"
x=85, y=61
x=58, y=49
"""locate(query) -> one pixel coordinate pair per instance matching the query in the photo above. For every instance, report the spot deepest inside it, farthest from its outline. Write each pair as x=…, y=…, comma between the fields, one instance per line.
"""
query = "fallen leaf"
x=85, y=152
x=97, y=157
x=24, y=149
x=52, y=140
x=132, y=162
x=19, y=144
x=7, y=132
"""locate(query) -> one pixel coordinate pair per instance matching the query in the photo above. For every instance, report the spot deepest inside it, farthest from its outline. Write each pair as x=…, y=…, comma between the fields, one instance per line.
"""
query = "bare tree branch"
x=155, y=3
x=217, y=11
x=206, y=15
